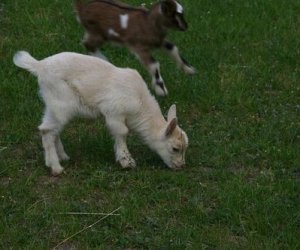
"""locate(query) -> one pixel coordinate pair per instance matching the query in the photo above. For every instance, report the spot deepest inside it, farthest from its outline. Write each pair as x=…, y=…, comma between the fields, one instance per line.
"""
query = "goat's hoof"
x=127, y=163
x=161, y=90
x=57, y=171
x=64, y=157
x=189, y=70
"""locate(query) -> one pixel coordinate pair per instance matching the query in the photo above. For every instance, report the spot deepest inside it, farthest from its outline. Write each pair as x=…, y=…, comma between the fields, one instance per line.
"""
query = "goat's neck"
x=150, y=123
x=156, y=19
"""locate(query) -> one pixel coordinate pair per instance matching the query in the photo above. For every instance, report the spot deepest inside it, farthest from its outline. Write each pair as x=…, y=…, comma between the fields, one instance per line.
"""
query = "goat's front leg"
x=119, y=131
x=62, y=155
x=92, y=42
x=180, y=61
x=122, y=153
x=153, y=67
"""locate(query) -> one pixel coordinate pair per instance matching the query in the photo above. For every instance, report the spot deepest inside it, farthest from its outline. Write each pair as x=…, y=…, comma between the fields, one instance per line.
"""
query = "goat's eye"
x=176, y=150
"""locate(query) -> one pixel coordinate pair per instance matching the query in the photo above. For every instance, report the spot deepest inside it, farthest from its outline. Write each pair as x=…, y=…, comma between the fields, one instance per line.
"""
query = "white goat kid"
x=73, y=84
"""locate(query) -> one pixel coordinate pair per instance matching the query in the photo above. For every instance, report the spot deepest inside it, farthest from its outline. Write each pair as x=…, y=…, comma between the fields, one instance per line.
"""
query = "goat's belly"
x=86, y=111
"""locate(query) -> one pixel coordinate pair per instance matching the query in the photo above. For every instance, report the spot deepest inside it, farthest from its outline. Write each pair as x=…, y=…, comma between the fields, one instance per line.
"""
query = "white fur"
x=98, y=54
x=179, y=7
x=73, y=84
x=124, y=21
x=112, y=32
x=85, y=37
x=78, y=19
x=138, y=29
x=176, y=56
x=158, y=90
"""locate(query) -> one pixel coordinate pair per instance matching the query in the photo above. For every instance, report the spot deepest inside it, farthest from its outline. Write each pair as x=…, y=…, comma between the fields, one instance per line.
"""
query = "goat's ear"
x=171, y=113
x=167, y=7
x=171, y=127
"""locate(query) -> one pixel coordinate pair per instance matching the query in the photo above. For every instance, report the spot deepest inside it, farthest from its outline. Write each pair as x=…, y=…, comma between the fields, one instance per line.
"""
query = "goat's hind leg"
x=157, y=81
x=50, y=131
x=180, y=61
x=92, y=42
x=153, y=67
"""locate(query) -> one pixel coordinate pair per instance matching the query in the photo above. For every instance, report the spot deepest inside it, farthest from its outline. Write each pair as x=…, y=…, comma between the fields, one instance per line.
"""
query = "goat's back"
x=98, y=83
x=69, y=77
x=104, y=17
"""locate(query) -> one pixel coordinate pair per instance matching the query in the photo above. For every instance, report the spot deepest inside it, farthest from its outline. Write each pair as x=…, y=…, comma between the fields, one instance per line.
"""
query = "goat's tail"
x=24, y=60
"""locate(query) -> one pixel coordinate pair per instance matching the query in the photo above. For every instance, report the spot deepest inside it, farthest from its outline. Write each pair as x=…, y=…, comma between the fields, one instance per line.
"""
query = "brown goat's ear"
x=168, y=7
x=171, y=127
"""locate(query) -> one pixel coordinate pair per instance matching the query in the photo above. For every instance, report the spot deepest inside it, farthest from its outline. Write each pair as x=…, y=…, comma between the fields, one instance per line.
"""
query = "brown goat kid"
x=137, y=28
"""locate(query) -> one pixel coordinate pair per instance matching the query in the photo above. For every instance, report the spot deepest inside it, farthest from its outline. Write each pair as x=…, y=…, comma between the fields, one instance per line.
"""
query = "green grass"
x=241, y=113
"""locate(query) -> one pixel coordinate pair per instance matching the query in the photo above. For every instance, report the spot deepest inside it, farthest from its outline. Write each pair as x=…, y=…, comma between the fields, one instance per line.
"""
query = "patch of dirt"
x=238, y=240
x=66, y=246
x=48, y=180
x=5, y=181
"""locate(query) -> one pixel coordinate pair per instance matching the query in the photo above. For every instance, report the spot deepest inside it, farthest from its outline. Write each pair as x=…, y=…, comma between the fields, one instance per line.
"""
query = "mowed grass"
x=241, y=113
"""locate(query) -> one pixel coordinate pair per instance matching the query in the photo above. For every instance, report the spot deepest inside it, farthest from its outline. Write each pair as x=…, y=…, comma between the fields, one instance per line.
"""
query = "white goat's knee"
x=119, y=132
x=123, y=155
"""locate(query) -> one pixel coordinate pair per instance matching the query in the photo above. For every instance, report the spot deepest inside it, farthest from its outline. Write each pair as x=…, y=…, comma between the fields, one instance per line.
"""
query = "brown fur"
x=98, y=16
x=145, y=31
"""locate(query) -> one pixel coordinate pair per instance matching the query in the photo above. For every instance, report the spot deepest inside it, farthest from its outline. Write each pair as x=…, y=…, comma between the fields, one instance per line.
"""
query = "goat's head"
x=173, y=13
x=173, y=142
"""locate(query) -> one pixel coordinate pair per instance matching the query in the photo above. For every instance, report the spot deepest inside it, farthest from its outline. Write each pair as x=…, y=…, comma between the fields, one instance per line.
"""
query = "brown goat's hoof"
x=189, y=70
x=161, y=91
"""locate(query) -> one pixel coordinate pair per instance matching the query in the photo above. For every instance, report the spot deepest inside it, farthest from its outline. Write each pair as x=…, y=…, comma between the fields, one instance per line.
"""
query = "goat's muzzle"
x=178, y=167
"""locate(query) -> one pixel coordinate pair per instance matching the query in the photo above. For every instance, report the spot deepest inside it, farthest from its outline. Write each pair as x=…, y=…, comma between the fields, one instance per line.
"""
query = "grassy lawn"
x=241, y=189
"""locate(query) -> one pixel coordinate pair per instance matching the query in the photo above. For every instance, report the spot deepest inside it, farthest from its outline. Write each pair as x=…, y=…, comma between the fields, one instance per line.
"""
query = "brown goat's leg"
x=153, y=67
x=180, y=61
x=92, y=43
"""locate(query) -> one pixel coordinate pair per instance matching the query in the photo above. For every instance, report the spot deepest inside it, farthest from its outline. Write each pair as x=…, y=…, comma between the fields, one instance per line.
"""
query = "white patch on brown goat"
x=180, y=63
x=85, y=37
x=179, y=7
x=98, y=54
x=78, y=19
x=112, y=32
x=157, y=81
x=155, y=69
x=124, y=21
